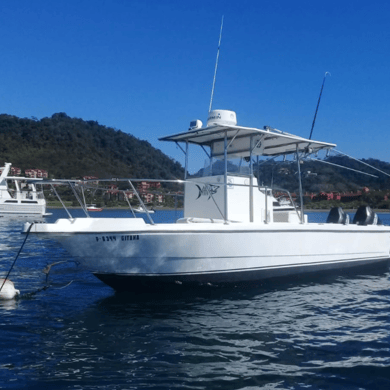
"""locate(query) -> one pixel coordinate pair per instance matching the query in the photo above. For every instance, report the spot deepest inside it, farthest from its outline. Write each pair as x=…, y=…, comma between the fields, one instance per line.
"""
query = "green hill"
x=318, y=176
x=71, y=148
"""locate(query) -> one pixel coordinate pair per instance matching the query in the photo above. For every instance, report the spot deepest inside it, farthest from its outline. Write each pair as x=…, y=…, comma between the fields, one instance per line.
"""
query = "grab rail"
x=87, y=184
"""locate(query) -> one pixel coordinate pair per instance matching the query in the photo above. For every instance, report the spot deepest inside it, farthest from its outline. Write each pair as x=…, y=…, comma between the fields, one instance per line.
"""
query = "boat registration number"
x=128, y=237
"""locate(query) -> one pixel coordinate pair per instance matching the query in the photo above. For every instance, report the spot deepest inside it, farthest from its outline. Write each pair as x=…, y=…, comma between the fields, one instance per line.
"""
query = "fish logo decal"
x=207, y=190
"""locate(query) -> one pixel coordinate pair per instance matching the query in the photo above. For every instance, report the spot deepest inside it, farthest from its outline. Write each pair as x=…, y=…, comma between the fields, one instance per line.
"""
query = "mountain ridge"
x=71, y=147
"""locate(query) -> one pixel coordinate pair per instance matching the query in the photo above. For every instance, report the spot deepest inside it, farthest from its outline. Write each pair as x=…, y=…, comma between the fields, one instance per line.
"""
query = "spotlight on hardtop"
x=197, y=124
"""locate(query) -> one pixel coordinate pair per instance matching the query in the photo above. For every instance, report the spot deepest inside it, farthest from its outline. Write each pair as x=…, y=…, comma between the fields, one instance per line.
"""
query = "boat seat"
x=366, y=216
x=337, y=215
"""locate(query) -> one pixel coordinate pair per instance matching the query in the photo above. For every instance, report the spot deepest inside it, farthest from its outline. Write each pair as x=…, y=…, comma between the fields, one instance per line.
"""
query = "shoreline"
x=384, y=211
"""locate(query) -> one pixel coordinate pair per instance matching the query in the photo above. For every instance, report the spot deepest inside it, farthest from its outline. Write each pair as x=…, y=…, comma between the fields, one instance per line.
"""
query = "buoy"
x=8, y=291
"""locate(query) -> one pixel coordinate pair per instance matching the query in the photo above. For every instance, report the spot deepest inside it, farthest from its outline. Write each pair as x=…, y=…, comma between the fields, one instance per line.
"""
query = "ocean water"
x=329, y=332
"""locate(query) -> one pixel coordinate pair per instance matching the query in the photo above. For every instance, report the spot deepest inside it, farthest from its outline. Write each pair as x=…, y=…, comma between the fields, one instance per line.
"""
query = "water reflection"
x=248, y=337
x=8, y=304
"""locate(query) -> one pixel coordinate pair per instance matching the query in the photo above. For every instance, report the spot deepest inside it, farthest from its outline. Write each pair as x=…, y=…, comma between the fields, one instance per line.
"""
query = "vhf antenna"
x=318, y=104
x=216, y=66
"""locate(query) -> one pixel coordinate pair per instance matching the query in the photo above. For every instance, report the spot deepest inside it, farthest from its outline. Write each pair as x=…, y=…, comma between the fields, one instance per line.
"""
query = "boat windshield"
x=235, y=167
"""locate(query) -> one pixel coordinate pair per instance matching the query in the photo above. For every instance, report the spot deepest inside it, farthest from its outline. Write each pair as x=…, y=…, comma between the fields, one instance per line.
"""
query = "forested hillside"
x=71, y=147
x=320, y=176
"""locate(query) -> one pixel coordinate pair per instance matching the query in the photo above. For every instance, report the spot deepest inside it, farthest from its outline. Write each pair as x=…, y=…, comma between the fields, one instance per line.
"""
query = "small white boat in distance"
x=233, y=230
x=93, y=207
x=140, y=209
x=23, y=201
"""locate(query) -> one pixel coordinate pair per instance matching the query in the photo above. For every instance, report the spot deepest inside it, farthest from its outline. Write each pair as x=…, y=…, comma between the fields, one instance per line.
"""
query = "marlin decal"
x=207, y=190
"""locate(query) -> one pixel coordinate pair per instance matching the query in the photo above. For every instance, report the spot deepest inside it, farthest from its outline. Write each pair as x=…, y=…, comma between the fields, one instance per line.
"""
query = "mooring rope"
x=31, y=294
x=16, y=258
x=46, y=270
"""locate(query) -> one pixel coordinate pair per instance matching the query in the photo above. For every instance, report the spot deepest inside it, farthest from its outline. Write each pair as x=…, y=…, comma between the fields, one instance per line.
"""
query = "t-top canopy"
x=242, y=140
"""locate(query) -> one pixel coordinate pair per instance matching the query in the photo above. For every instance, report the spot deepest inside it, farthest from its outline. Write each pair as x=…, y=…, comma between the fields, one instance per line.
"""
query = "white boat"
x=140, y=209
x=231, y=230
x=20, y=201
x=93, y=207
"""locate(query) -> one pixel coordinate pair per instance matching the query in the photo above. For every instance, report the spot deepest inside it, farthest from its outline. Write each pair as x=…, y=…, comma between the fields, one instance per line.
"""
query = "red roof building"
x=39, y=173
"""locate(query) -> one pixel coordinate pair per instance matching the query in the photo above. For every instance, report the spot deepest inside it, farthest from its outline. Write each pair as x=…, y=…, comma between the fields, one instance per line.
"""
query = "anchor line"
x=44, y=288
x=47, y=269
x=16, y=258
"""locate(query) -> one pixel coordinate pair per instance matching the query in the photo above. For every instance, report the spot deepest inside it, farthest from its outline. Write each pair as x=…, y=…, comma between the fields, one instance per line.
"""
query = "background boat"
x=23, y=198
x=140, y=209
x=92, y=207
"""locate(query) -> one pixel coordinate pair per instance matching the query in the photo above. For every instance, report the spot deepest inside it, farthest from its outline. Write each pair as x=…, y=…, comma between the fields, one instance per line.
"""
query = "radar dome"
x=221, y=118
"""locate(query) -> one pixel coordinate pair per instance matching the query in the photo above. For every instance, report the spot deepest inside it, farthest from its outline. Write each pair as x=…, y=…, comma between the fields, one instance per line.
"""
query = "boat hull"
x=208, y=253
x=24, y=209
x=135, y=282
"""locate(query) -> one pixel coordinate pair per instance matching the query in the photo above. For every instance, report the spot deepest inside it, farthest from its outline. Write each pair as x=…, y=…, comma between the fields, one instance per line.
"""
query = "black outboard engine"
x=337, y=215
x=365, y=216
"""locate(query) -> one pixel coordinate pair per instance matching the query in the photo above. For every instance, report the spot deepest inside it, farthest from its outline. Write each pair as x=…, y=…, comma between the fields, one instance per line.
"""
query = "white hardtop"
x=263, y=142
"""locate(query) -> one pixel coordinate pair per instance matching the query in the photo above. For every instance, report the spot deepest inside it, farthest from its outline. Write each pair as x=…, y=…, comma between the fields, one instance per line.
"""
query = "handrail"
x=273, y=189
x=87, y=185
x=83, y=205
x=63, y=204
x=141, y=202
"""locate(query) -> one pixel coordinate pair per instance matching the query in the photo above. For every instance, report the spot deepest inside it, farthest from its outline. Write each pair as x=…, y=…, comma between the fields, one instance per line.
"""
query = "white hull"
x=20, y=208
x=206, y=252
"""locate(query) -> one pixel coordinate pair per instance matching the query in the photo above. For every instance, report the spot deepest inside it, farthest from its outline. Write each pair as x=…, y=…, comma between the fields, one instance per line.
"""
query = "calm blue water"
x=323, y=333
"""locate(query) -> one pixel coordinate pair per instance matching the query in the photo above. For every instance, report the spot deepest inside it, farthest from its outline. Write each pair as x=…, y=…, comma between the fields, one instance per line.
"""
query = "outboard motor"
x=337, y=215
x=365, y=216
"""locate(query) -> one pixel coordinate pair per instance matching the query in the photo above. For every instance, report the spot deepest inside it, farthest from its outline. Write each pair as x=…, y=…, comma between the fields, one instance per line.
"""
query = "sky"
x=146, y=67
